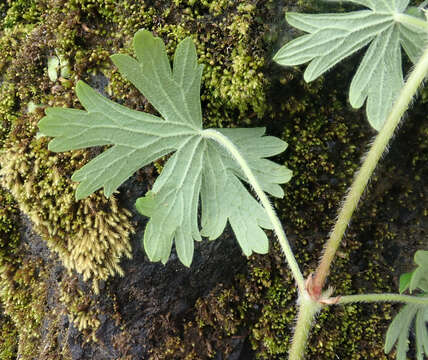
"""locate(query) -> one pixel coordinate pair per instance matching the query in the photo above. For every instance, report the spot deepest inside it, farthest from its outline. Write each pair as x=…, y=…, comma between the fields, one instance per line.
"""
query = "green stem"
x=412, y=21
x=363, y=175
x=279, y=231
x=419, y=300
x=307, y=311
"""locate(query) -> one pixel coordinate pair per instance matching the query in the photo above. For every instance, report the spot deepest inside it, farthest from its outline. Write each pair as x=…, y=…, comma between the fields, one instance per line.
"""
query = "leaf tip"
x=146, y=205
x=143, y=35
x=81, y=191
x=309, y=76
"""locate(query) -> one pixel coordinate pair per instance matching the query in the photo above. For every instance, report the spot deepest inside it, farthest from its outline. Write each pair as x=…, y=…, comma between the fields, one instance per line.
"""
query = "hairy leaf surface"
x=198, y=173
x=411, y=315
x=333, y=37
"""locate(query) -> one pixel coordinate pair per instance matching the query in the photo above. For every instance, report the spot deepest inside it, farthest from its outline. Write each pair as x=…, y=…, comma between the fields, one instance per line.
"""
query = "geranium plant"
x=207, y=169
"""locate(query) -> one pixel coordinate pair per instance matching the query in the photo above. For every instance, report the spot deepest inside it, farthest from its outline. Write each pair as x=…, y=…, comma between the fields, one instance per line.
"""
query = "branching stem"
x=307, y=311
x=363, y=175
x=419, y=300
x=279, y=231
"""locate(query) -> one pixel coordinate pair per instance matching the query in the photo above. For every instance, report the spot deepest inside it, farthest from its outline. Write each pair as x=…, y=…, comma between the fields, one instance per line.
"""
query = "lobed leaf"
x=174, y=95
x=333, y=37
x=199, y=173
x=137, y=138
x=411, y=314
x=399, y=330
x=419, y=278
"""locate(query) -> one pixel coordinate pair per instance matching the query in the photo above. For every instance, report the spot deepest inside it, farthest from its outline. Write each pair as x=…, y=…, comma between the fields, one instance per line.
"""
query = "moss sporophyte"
x=208, y=167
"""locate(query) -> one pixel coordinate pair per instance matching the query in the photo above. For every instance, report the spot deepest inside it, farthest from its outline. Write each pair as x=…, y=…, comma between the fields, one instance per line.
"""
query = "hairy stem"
x=419, y=300
x=279, y=231
x=307, y=311
x=363, y=175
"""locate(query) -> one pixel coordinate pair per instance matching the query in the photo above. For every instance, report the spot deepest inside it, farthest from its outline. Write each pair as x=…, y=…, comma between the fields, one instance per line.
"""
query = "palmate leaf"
x=411, y=314
x=399, y=331
x=199, y=173
x=333, y=37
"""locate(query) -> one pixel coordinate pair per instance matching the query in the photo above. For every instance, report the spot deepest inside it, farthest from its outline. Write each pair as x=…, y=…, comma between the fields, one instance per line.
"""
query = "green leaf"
x=419, y=278
x=64, y=67
x=421, y=333
x=198, y=174
x=405, y=281
x=333, y=37
x=399, y=329
x=53, y=66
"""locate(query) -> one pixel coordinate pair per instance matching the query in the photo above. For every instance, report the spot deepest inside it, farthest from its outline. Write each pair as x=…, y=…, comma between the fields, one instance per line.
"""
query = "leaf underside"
x=399, y=331
x=333, y=37
x=199, y=173
x=419, y=278
x=411, y=315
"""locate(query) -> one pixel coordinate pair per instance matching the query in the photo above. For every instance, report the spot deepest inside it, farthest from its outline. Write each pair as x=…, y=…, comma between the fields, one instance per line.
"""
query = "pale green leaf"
x=65, y=70
x=175, y=96
x=199, y=175
x=333, y=37
x=32, y=107
x=419, y=278
x=421, y=333
x=398, y=331
x=138, y=139
x=405, y=281
x=53, y=66
x=410, y=314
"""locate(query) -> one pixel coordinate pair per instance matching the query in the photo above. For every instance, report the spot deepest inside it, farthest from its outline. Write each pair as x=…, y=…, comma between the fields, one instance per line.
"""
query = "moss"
x=90, y=236
x=219, y=318
x=20, y=12
x=9, y=241
x=8, y=339
x=80, y=307
x=22, y=293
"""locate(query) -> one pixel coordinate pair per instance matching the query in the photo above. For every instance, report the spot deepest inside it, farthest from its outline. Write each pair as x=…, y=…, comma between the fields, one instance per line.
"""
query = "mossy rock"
x=74, y=279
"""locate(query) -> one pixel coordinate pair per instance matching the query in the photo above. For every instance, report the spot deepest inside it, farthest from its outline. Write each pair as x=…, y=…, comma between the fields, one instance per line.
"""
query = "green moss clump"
x=8, y=338
x=9, y=233
x=20, y=12
x=9, y=242
x=80, y=308
x=22, y=289
x=23, y=294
